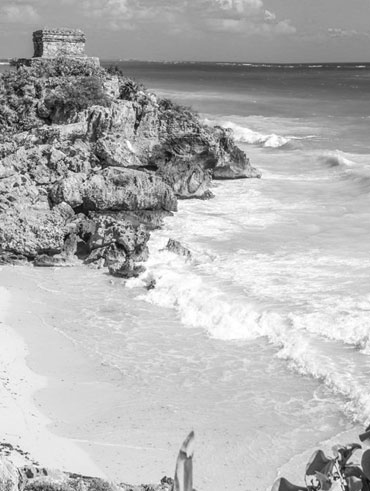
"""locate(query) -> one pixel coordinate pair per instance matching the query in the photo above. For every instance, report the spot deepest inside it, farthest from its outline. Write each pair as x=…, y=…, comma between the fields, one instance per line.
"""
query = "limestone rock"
x=127, y=269
x=117, y=152
x=126, y=189
x=177, y=248
x=30, y=233
x=107, y=230
x=58, y=260
x=213, y=150
x=119, y=118
x=113, y=242
x=186, y=178
x=69, y=190
x=9, y=476
x=232, y=163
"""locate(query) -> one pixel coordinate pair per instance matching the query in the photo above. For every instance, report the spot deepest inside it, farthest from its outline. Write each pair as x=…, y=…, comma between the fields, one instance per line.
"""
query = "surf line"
x=119, y=445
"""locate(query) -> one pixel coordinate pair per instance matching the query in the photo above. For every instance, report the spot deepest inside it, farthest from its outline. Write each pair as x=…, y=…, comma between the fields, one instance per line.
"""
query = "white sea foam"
x=244, y=134
x=308, y=344
x=291, y=298
x=349, y=166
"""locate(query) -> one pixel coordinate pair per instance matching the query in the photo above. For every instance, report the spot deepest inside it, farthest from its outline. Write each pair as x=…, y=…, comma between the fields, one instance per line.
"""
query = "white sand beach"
x=22, y=424
x=57, y=404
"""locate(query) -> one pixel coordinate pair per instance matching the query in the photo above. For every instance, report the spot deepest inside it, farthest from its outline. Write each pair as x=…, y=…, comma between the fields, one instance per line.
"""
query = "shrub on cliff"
x=130, y=90
x=69, y=86
x=69, y=97
x=20, y=92
x=176, y=119
x=63, y=67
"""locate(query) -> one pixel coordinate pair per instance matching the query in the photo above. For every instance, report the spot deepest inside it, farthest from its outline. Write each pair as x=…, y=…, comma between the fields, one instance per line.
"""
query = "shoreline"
x=22, y=424
x=66, y=412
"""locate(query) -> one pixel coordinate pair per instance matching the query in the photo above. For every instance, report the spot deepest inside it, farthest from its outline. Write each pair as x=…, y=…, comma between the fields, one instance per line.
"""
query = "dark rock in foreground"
x=90, y=162
x=32, y=477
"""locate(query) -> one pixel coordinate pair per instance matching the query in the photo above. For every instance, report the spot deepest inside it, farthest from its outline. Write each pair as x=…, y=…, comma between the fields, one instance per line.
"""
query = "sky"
x=198, y=30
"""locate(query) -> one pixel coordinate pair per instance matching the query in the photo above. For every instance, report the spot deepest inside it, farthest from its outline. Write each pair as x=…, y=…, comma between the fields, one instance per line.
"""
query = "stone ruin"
x=52, y=43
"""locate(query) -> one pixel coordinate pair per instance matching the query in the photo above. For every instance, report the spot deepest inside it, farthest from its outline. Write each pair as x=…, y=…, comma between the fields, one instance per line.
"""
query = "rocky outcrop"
x=188, y=179
x=35, y=478
x=177, y=248
x=32, y=477
x=183, y=138
x=212, y=149
x=90, y=162
x=114, y=189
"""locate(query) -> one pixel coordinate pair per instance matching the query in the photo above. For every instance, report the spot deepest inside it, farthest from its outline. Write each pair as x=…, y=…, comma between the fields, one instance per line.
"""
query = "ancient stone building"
x=51, y=43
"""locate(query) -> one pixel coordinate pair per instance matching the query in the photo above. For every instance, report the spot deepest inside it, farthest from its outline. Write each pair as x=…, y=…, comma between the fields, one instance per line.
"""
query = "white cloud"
x=18, y=12
x=337, y=32
x=242, y=17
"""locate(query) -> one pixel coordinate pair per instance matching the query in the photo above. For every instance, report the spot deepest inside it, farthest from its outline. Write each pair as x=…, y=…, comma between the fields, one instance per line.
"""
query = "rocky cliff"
x=90, y=162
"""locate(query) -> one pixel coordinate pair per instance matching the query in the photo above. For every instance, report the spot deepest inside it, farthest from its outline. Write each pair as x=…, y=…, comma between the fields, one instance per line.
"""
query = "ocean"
x=260, y=343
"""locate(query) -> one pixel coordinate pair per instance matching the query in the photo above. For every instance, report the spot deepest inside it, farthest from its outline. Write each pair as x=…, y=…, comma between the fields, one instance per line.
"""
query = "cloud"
x=18, y=12
x=243, y=17
x=337, y=32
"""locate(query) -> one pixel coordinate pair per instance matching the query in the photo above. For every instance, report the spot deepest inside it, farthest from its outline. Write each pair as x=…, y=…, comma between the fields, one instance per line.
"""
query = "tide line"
x=118, y=445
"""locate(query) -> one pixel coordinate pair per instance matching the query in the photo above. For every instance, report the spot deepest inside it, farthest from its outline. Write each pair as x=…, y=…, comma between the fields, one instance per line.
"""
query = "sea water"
x=260, y=343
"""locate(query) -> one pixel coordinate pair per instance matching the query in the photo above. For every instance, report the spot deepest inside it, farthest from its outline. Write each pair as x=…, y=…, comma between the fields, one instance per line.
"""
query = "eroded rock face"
x=115, y=189
x=116, y=151
x=211, y=149
x=188, y=179
x=232, y=163
x=31, y=233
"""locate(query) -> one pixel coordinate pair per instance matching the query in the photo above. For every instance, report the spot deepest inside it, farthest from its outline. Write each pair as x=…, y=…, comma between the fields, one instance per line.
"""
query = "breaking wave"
x=246, y=135
x=243, y=134
x=355, y=167
x=330, y=344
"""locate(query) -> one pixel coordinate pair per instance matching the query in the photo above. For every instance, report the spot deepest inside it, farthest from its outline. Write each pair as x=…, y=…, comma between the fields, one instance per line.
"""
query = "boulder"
x=31, y=232
x=127, y=269
x=107, y=230
x=186, y=178
x=69, y=190
x=127, y=189
x=119, y=118
x=59, y=260
x=113, y=242
x=232, y=163
x=177, y=248
x=117, y=152
x=212, y=149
